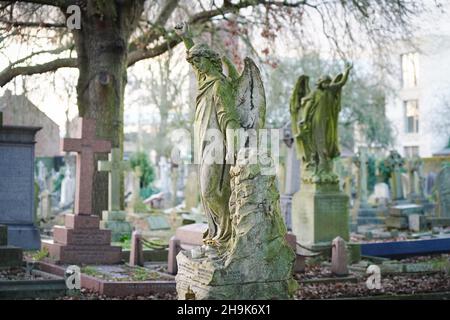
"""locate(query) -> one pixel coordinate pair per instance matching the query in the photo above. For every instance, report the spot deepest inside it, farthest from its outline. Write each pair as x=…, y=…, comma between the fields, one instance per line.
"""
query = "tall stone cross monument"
x=114, y=217
x=85, y=147
x=81, y=240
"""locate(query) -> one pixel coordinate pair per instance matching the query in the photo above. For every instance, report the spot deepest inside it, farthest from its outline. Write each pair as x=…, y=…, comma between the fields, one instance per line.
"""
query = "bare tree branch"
x=10, y=73
x=32, y=24
x=54, y=3
x=141, y=54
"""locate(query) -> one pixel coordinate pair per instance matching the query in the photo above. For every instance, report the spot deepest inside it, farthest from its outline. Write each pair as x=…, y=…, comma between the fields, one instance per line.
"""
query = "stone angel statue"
x=225, y=102
x=314, y=120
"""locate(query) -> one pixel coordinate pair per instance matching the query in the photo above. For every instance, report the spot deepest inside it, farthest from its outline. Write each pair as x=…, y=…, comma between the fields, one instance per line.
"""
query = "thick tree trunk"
x=102, y=45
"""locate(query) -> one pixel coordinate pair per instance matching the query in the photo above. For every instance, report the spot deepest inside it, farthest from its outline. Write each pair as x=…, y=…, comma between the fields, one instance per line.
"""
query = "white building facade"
x=421, y=93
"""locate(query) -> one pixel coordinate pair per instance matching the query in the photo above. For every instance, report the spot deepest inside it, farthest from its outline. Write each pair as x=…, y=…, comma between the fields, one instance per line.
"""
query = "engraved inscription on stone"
x=16, y=184
x=330, y=205
x=89, y=237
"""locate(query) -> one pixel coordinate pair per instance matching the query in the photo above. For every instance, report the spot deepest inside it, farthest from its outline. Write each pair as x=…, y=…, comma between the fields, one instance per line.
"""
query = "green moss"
x=142, y=274
x=40, y=255
x=90, y=271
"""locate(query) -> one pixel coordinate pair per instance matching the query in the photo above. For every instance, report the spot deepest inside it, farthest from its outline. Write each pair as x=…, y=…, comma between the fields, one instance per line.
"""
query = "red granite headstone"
x=80, y=240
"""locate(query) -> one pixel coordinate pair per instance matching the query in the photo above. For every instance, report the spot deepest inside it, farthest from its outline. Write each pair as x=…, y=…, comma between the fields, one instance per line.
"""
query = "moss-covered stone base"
x=208, y=281
x=257, y=262
x=320, y=213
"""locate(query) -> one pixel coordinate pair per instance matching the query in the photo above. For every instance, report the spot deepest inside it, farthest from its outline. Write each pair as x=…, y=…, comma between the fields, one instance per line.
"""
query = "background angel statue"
x=224, y=102
x=314, y=120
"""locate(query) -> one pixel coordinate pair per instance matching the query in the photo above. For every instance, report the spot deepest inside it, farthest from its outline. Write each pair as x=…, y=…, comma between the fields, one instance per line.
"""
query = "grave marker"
x=114, y=217
x=81, y=241
x=17, y=199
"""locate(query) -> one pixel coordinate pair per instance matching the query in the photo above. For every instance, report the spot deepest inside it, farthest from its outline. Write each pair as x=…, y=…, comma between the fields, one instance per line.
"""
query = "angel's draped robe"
x=214, y=179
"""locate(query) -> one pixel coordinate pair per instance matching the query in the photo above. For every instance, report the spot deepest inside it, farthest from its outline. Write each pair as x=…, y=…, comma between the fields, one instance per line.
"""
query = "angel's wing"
x=301, y=90
x=250, y=97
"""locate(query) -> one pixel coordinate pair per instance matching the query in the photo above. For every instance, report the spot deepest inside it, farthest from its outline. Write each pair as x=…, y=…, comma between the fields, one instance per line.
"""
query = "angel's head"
x=323, y=81
x=204, y=59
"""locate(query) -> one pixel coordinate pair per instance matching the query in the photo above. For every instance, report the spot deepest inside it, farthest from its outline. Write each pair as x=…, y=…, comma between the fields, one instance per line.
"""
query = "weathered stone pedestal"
x=210, y=280
x=81, y=241
x=10, y=256
x=320, y=213
x=258, y=261
x=116, y=222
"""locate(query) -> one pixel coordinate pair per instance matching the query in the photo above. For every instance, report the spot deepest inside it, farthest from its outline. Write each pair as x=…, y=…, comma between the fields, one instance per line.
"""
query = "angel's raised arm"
x=341, y=79
x=182, y=30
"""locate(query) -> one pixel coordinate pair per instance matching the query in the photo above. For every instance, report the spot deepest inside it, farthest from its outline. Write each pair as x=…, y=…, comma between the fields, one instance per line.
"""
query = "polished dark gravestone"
x=17, y=186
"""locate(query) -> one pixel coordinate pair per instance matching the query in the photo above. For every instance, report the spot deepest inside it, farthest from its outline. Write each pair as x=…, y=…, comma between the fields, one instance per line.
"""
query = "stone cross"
x=85, y=147
x=395, y=163
x=416, y=180
x=114, y=166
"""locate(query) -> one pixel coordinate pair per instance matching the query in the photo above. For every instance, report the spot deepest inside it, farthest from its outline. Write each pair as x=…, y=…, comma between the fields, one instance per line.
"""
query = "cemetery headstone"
x=413, y=166
x=175, y=171
x=17, y=198
x=164, y=176
x=395, y=163
x=114, y=218
x=339, y=257
x=191, y=193
x=10, y=256
x=67, y=188
x=416, y=222
x=430, y=181
x=137, y=204
x=80, y=240
x=174, y=249
x=45, y=205
x=291, y=177
x=42, y=176
x=158, y=222
x=136, y=251
x=381, y=195
x=362, y=211
x=443, y=191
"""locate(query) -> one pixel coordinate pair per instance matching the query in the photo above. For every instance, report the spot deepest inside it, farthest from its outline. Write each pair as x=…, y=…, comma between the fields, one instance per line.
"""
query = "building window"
x=410, y=69
x=411, y=151
x=411, y=116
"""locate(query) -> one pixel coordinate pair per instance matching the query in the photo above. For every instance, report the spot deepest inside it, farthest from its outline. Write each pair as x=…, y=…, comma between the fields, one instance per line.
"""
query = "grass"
x=40, y=255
